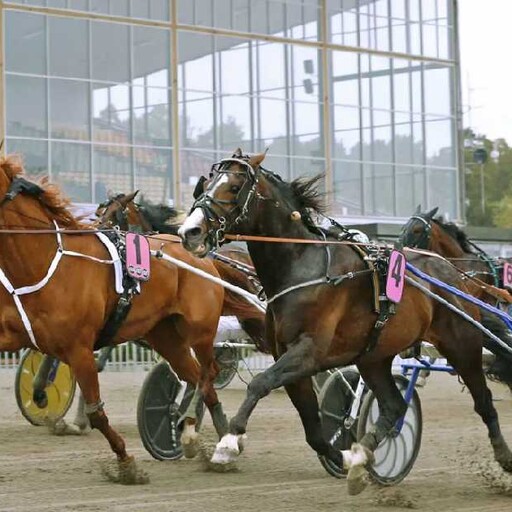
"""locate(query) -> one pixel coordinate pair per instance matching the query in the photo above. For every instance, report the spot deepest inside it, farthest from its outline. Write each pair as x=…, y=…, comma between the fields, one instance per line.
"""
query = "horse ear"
x=418, y=210
x=255, y=160
x=128, y=198
x=432, y=212
x=238, y=153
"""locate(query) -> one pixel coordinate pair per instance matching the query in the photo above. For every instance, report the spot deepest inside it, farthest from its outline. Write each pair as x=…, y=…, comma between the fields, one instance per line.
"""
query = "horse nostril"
x=192, y=233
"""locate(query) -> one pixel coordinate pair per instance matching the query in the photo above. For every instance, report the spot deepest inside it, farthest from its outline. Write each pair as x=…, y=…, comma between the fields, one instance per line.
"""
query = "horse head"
x=241, y=197
x=417, y=231
x=224, y=204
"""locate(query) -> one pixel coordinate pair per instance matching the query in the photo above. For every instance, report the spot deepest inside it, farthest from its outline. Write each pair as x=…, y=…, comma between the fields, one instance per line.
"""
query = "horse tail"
x=501, y=368
x=250, y=317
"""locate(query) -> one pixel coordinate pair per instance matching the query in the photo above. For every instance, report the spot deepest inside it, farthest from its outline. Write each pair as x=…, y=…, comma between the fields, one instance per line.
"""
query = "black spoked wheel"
x=395, y=455
x=227, y=358
x=335, y=402
x=162, y=401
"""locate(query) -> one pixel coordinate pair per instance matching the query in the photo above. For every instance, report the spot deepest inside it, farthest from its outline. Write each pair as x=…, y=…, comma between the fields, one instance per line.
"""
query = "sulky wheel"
x=162, y=401
x=60, y=389
x=395, y=455
x=227, y=358
x=335, y=401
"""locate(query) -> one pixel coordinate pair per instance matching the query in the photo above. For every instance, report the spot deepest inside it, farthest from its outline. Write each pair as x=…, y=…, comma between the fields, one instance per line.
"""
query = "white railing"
x=130, y=356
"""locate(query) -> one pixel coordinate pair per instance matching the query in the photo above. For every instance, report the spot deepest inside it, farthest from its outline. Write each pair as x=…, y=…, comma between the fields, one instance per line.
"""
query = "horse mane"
x=307, y=194
x=302, y=192
x=51, y=197
x=159, y=215
x=456, y=233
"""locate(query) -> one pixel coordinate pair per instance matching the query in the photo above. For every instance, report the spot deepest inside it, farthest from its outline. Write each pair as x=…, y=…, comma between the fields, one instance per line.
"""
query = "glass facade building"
x=115, y=95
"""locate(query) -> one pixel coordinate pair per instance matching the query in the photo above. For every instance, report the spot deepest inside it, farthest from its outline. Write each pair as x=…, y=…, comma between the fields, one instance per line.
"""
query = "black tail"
x=501, y=368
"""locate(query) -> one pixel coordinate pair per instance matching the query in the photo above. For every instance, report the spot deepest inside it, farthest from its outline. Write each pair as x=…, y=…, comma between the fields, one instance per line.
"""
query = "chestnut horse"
x=320, y=309
x=75, y=295
x=122, y=211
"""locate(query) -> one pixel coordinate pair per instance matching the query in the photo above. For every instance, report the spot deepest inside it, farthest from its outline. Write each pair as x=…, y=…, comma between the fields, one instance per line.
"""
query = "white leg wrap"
x=189, y=433
x=356, y=456
x=227, y=450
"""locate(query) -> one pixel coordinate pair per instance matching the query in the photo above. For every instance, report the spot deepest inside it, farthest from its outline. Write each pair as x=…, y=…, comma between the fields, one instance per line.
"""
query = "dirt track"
x=277, y=472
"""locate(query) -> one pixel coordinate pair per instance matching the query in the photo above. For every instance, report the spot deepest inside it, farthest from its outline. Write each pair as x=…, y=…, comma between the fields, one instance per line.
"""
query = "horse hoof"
x=357, y=480
x=127, y=473
x=61, y=428
x=227, y=450
x=40, y=398
x=190, y=446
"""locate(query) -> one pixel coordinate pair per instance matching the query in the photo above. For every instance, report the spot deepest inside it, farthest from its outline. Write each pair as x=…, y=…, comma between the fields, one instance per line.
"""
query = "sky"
x=486, y=66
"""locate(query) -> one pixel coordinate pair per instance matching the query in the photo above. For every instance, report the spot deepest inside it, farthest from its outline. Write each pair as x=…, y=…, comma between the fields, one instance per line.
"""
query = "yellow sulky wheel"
x=60, y=389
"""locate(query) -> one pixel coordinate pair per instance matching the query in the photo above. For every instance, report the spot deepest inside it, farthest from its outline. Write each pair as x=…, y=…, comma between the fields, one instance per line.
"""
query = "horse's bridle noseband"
x=240, y=205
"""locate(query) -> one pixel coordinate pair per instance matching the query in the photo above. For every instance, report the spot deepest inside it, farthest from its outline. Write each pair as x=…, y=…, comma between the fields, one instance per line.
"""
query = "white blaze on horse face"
x=194, y=220
x=224, y=178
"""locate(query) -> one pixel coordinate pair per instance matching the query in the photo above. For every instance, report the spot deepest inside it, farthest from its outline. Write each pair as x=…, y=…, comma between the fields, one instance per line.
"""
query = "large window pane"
x=153, y=174
x=69, y=47
x=26, y=106
x=110, y=52
x=71, y=169
x=112, y=115
x=113, y=168
x=69, y=109
x=347, y=188
x=33, y=153
x=151, y=56
x=443, y=191
x=25, y=41
x=151, y=116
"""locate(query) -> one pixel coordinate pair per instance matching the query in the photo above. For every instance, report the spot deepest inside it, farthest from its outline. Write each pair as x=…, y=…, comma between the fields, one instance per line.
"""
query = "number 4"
x=395, y=271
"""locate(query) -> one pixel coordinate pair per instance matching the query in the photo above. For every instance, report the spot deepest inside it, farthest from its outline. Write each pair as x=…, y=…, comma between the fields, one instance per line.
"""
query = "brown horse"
x=122, y=211
x=75, y=295
x=321, y=311
x=425, y=231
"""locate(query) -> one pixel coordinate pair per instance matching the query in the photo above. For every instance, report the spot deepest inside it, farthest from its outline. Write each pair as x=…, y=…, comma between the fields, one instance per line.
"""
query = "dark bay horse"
x=75, y=294
x=315, y=323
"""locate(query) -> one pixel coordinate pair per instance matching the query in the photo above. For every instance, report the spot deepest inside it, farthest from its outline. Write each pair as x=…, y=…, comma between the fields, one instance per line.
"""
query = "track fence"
x=133, y=357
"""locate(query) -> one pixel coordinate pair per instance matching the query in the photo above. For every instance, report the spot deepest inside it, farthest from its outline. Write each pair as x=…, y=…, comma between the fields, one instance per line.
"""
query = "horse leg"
x=392, y=406
x=468, y=364
x=304, y=399
x=83, y=364
x=174, y=348
x=297, y=362
x=209, y=371
x=41, y=380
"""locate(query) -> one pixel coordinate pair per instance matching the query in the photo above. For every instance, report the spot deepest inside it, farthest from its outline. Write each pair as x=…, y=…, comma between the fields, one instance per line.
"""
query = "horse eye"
x=235, y=189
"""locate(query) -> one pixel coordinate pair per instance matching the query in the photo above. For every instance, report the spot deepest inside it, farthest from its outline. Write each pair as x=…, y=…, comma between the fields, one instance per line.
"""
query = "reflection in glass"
x=33, y=154
x=113, y=168
x=69, y=109
x=153, y=174
x=71, y=169
x=26, y=106
x=110, y=62
x=25, y=39
x=69, y=47
x=111, y=110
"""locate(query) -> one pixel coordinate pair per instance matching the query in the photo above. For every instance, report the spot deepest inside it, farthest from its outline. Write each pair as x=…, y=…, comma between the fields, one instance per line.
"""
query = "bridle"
x=423, y=239
x=239, y=205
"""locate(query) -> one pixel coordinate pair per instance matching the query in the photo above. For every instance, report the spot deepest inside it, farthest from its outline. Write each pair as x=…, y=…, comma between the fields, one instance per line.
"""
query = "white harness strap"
x=24, y=290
